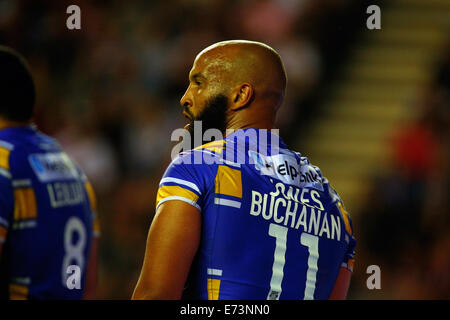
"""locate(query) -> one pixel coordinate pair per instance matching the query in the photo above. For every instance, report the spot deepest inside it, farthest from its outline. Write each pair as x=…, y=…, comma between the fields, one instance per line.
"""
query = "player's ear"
x=241, y=96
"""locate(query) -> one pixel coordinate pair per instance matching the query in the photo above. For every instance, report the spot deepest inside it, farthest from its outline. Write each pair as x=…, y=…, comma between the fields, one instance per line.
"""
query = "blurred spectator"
x=406, y=219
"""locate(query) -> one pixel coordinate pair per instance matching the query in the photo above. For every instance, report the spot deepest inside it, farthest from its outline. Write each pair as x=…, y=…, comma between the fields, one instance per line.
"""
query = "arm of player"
x=91, y=272
x=172, y=242
x=341, y=285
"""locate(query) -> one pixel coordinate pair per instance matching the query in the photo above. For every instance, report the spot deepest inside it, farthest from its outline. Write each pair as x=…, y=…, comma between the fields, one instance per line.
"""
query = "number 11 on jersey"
x=309, y=241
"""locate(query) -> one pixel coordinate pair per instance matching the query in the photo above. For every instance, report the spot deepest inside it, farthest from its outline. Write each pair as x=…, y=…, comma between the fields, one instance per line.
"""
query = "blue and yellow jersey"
x=272, y=226
x=47, y=217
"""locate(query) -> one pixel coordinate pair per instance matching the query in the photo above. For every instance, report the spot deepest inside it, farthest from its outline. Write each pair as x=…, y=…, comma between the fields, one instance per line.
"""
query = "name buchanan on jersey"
x=302, y=209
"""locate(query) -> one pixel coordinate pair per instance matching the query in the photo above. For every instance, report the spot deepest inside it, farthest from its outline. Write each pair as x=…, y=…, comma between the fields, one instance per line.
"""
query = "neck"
x=249, y=120
x=250, y=124
x=4, y=124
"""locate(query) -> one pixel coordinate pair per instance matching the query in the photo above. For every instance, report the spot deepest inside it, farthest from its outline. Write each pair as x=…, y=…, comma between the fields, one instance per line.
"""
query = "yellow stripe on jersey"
x=228, y=181
x=175, y=191
x=3, y=232
x=213, y=286
x=346, y=220
x=93, y=203
x=25, y=206
x=4, y=158
x=216, y=146
x=18, y=292
x=91, y=194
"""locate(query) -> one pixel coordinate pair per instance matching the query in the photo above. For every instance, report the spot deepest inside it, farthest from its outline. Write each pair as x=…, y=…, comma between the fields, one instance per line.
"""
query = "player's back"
x=272, y=227
x=46, y=217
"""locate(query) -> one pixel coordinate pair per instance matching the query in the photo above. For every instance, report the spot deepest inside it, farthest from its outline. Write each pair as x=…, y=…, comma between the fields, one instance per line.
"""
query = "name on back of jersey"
x=303, y=208
x=63, y=194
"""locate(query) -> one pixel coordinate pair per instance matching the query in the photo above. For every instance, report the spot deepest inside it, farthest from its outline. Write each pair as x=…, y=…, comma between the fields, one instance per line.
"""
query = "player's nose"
x=186, y=101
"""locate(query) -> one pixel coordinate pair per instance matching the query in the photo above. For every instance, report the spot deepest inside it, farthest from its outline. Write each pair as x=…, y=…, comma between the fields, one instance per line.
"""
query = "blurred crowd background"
x=110, y=94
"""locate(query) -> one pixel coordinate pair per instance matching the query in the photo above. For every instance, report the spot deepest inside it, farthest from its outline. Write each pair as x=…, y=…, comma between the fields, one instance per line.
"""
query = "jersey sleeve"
x=92, y=203
x=349, y=258
x=181, y=181
x=6, y=194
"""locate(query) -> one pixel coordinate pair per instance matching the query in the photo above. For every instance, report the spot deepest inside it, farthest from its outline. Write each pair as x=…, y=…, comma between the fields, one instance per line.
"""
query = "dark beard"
x=213, y=116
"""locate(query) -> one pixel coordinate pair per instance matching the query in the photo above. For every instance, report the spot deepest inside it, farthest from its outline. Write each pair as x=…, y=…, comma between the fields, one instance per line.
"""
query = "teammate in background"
x=259, y=222
x=47, y=206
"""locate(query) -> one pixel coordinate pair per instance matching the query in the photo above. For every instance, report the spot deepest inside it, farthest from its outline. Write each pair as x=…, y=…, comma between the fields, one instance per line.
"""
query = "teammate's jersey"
x=47, y=218
x=272, y=227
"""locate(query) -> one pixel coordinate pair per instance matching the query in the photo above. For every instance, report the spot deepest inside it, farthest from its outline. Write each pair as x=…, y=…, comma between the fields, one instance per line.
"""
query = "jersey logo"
x=285, y=168
x=53, y=166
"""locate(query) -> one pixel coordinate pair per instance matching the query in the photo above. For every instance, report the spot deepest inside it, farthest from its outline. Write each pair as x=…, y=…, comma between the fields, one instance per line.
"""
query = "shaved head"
x=247, y=78
x=239, y=61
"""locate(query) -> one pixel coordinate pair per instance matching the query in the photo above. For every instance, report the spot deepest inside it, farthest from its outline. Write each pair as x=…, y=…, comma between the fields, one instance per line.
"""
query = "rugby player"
x=253, y=219
x=48, y=225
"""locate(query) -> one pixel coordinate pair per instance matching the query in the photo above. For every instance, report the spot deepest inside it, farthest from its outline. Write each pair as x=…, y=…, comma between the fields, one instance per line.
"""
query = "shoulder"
x=214, y=146
x=202, y=157
x=312, y=177
x=6, y=149
x=24, y=138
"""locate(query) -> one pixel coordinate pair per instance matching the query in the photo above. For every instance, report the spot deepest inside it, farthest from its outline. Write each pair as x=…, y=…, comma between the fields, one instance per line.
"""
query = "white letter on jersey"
x=275, y=214
x=256, y=203
x=316, y=198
